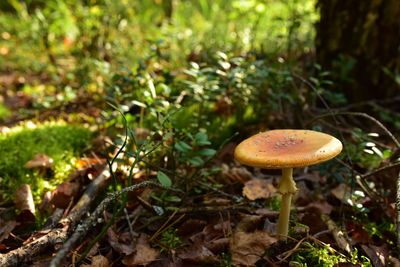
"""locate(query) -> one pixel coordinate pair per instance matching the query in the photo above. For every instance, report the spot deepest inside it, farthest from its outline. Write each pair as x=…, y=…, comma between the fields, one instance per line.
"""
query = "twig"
x=82, y=229
x=337, y=234
x=365, y=115
x=162, y=226
x=391, y=166
x=398, y=211
x=290, y=252
x=129, y=222
x=58, y=235
x=53, y=219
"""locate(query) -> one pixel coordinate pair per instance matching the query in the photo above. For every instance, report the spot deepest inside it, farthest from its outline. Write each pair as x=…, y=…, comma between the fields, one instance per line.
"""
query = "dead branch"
x=82, y=229
x=55, y=237
x=360, y=114
x=337, y=234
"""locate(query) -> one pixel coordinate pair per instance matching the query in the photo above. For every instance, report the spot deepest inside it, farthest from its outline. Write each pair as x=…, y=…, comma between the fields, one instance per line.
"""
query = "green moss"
x=57, y=140
x=4, y=111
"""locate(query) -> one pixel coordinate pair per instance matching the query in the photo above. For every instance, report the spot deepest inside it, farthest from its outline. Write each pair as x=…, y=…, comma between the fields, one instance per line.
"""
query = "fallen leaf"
x=84, y=162
x=341, y=192
x=249, y=223
x=6, y=227
x=267, y=213
x=45, y=201
x=319, y=207
x=357, y=233
x=378, y=255
x=218, y=245
x=304, y=195
x=313, y=221
x=100, y=261
x=63, y=194
x=143, y=255
x=257, y=188
x=211, y=232
x=24, y=202
x=240, y=174
x=40, y=161
x=117, y=245
x=198, y=254
x=191, y=226
x=247, y=248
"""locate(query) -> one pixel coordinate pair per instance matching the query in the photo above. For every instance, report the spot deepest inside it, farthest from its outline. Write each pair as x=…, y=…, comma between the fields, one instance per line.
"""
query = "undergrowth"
x=56, y=139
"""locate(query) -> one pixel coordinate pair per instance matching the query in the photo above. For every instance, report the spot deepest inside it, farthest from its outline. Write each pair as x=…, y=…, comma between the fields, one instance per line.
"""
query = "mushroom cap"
x=40, y=161
x=277, y=149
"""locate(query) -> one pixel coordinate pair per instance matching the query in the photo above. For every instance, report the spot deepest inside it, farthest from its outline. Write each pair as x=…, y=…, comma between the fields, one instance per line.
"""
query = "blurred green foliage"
x=76, y=33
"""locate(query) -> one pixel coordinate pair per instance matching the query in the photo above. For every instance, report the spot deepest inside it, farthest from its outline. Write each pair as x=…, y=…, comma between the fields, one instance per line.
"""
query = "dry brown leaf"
x=45, y=201
x=247, y=248
x=117, y=245
x=144, y=253
x=40, y=161
x=249, y=223
x=24, y=202
x=240, y=174
x=267, y=213
x=211, y=232
x=23, y=198
x=198, y=254
x=341, y=191
x=314, y=221
x=378, y=255
x=258, y=188
x=218, y=245
x=100, y=261
x=84, y=162
x=63, y=194
x=357, y=233
x=320, y=207
x=191, y=226
x=6, y=228
x=304, y=195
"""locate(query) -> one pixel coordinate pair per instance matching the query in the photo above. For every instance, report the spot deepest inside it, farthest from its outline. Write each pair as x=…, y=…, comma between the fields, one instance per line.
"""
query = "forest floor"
x=216, y=212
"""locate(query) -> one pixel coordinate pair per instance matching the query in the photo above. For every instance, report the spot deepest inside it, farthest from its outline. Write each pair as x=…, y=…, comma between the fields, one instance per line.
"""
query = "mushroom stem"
x=287, y=188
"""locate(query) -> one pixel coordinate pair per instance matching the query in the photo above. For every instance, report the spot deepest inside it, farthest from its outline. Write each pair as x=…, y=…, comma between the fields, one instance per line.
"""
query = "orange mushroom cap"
x=277, y=149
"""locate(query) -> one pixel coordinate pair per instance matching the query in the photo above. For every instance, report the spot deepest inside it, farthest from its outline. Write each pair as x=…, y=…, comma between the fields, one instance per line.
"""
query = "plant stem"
x=286, y=187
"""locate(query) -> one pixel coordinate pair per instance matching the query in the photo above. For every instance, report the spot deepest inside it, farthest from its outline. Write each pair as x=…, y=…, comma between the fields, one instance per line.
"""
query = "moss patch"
x=4, y=111
x=57, y=140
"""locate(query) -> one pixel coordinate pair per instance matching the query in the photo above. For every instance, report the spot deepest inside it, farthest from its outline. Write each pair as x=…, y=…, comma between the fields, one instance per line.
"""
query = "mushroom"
x=41, y=162
x=286, y=149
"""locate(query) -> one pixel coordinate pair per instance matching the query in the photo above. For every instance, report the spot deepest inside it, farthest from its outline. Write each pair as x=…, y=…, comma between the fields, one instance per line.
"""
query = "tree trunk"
x=359, y=40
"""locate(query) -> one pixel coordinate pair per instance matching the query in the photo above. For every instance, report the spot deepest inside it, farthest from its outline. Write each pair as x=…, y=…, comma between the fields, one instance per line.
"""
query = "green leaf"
x=208, y=152
x=173, y=199
x=196, y=161
x=201, y=139
x=183, y=147
x=163, y=179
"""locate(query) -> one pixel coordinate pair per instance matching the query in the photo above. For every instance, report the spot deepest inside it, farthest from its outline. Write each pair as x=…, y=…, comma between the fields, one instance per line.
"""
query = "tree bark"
x=364, y=33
